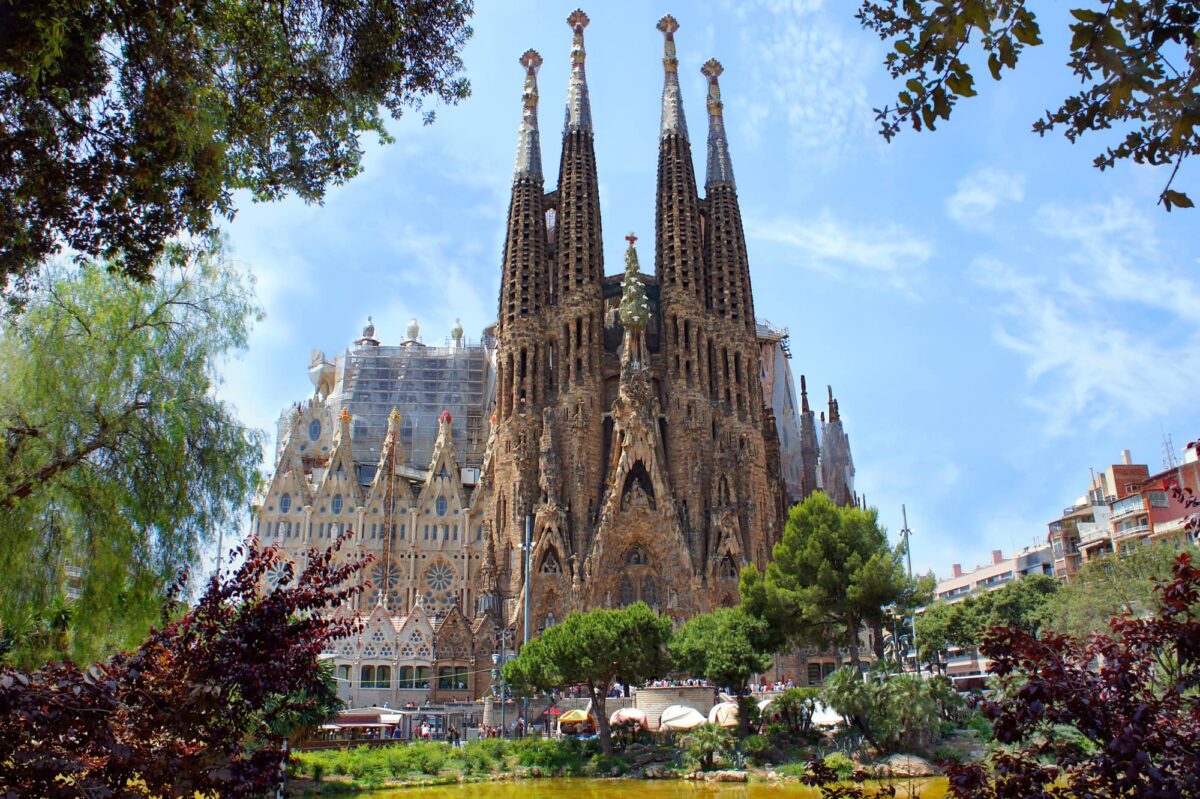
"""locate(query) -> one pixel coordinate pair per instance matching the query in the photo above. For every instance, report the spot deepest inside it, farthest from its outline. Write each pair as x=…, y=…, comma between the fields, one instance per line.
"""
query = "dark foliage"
x=123, y=124
x=1131, y=695
x=202, y=706
x=1137, y=61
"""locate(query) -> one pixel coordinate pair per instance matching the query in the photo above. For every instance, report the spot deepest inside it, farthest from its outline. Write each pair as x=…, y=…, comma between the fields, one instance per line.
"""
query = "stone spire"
x=523, y=284
x=529, y=148
x=579, y=108
x=673, y=121
x=580, y=263
x=728, y=277
x=837, y=464
x=810, y=448
x=678, y=249
x=720, y=169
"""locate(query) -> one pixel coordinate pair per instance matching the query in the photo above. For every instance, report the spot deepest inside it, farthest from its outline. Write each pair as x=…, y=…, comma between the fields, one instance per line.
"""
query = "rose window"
x=439, y=577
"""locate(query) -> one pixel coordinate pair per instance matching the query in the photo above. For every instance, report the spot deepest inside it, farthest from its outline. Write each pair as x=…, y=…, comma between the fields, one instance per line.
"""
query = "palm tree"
x=705, y=743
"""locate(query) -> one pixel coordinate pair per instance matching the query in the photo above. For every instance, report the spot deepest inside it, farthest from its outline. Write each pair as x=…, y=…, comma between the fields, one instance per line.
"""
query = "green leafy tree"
x=595, y=649
x=1111, y=587
x=1137, y=61
x=118, y=463
x=832, y=573
x=127, y=123
x=726, y=647
x=1020, y=604
x=943, y=626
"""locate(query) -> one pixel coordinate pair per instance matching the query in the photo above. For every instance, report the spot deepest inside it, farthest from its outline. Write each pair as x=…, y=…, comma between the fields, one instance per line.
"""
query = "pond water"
x=650, y=789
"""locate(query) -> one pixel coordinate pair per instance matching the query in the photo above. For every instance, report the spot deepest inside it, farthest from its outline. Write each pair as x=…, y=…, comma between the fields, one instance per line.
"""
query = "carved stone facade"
x=643, y=427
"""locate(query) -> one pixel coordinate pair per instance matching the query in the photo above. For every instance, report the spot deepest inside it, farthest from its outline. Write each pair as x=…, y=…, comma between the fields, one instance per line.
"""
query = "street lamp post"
x=913, y=618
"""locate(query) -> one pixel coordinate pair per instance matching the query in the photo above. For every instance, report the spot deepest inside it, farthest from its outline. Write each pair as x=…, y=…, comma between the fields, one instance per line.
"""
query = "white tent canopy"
x=724, y=714
x=681, y=717
x=823, y=716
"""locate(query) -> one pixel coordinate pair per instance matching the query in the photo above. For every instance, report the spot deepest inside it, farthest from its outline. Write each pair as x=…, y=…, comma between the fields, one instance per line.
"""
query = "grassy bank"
x=431, y=762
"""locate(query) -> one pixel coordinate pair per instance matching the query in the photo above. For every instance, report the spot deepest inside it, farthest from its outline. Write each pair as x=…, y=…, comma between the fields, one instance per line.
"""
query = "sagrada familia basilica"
x=640, y=431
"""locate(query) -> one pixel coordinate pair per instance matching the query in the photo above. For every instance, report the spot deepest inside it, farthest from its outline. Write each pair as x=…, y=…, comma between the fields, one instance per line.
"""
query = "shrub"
x=840, y=764
x=564, y=754
x=896, y=713
x=756, y=747
x=1130, y=694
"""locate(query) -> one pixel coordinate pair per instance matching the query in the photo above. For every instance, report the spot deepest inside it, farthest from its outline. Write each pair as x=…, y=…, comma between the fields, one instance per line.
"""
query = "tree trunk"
x=744, y=704
x=602, y=729
x=852, y=636
x=877, y=631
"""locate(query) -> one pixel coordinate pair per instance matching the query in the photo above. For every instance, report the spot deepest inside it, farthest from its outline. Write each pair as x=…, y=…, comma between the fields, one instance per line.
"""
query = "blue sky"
x=994, y=314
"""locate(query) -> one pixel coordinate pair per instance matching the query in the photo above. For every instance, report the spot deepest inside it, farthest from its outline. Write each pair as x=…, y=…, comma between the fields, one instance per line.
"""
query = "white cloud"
x=1106, y=324
x=980, y=193
x=873, y=254
x=808, y=74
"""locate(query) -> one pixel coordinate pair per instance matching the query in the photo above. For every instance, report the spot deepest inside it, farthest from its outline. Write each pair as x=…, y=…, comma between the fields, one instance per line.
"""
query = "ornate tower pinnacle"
x=804, y=396
x=529, y=149
x=579, y=107
x=720, y=168
x=672, y=104
x=834, y=416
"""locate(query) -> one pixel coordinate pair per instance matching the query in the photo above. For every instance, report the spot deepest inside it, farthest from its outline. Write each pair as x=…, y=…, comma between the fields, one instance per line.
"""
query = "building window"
x=337, y=504
x=814, y=673
x=343, y=673
x=375, y=677
x=285, y=503
x=452, y=678
x=442, y=506
x=550, y=564
x=1158, y=499
x=314, y=429
x=418, y=678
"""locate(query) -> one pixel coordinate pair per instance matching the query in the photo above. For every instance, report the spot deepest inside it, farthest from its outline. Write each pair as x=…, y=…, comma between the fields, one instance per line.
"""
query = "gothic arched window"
x=727, y=569
x=285, y=503
x=627, y=595
x=337, y=504
x=314, y=429
x=636, y=557
x=550, y=564
x=442, y=506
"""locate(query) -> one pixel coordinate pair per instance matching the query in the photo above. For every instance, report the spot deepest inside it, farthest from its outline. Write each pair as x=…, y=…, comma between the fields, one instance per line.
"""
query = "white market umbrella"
x=681, y=717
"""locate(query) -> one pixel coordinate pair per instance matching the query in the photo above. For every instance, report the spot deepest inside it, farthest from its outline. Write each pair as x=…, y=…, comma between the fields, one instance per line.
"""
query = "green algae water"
x=650, y=789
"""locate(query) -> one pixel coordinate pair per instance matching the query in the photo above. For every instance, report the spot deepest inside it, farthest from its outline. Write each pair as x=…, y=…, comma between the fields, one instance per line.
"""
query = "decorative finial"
x=445, y=418
x=668, y=25
x=631, y=238
x=712, y=70
x=414, y=330
x=344, y=416
x=720, y=167
x=673, y=121
x=394, y=419
x=804, y=396
x=529, y=150
x=579, y=111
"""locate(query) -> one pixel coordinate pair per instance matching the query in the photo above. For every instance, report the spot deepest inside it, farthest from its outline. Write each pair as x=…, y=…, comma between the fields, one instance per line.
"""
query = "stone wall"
x=653, y=701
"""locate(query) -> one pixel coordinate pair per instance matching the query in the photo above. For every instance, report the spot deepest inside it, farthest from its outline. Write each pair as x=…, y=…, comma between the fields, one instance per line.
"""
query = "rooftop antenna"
x=1169, y=459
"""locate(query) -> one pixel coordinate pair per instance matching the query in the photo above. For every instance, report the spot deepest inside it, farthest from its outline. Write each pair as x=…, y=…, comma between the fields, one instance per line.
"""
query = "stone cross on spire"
x=672, y=104
x=529, y=149
x=579, y=107
x=631, y=238
x=720, y=168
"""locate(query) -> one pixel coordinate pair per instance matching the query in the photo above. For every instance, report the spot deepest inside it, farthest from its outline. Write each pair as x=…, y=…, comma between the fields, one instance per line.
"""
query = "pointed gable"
x=415, y=637
x=454, y=637
x=339, y=478
x=441, y=498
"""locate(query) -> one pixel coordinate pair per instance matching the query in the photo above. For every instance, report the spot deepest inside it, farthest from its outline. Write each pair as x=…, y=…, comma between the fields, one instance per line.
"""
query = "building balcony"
x=1095, y=536
x=1137, y=529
